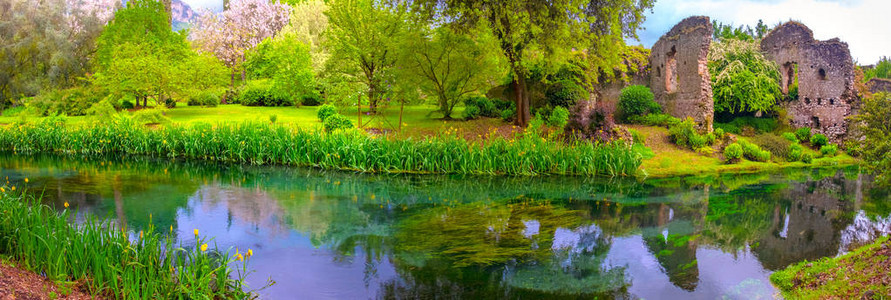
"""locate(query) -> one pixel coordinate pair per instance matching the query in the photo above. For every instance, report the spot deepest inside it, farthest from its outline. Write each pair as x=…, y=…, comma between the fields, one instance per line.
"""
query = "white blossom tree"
x=242, y=26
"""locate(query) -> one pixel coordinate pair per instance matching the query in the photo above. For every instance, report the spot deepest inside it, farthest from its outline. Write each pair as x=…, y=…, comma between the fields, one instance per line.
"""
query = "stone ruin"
x=679, y=75
x=825, y=73
x=876, y=85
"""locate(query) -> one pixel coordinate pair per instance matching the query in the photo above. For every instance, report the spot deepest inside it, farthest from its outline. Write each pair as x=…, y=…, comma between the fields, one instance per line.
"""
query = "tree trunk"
x=401, y=109
x=372, y=99
x=523, y=114
x=359, y=112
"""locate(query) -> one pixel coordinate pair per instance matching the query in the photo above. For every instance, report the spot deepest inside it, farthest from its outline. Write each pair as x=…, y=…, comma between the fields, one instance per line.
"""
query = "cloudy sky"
x=864, y=24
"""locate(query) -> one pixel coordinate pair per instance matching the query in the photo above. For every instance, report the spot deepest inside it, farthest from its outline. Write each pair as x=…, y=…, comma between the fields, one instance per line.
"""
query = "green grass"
x=110, y=262
x=850, y=276
x=263, y=143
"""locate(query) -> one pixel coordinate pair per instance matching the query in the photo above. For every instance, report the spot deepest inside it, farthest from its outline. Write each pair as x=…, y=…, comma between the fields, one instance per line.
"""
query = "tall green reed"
x=111, y=262
x=262, y=143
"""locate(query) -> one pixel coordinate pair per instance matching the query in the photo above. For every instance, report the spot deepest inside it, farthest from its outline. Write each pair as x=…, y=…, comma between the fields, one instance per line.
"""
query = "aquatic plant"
x=262, y=143
x=111, y=262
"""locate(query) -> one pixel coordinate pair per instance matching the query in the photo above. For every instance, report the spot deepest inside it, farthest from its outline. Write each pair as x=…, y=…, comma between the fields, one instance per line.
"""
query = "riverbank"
x=18, y=283
x=861, y=274
x=107, y=261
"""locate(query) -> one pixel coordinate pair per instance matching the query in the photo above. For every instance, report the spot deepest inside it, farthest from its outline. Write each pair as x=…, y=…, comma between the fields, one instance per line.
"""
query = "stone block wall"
x=876, y=85
x=825, y=72
x=679, y=75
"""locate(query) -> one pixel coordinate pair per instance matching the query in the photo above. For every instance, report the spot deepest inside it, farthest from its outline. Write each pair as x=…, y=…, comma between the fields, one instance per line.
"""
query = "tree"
x=287, y=62
x=743, y=32
x=143, y=22
x=881, y=70
x=450, y=65
x=874, y=123
x=47, y=44
x=743, y=80
x=308, y=25
x=546, y=30
x=242, y=26
x=363, y=38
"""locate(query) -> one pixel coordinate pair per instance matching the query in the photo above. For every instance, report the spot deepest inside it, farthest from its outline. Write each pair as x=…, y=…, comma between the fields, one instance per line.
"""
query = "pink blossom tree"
x=241, y=27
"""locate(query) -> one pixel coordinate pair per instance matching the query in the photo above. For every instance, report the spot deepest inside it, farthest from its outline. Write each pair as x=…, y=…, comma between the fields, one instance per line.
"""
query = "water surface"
x=337, y=235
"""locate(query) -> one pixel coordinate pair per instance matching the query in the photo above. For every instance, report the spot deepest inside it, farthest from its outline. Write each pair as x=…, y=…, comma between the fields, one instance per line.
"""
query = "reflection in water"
x=339, y=235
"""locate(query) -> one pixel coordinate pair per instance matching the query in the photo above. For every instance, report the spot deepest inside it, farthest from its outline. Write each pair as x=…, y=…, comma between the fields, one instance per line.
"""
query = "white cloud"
x=199, y=4
x=864, y=24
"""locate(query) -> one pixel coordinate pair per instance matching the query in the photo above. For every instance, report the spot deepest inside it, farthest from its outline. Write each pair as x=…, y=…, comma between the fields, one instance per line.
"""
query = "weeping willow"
x=743, y=80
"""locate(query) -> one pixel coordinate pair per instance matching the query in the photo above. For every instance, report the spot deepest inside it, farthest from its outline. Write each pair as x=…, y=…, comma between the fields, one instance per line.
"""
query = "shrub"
x=484, y=108
x=559, y=117
x=149, y=116
x=261, y=93
x=637, y=100
x=102, y=111
x=803, y=134
x=790, y=137
x=273, y=118
x=733, y=153
x=753, y=152
x=807, y=158
x=205, y=98
x=829, y=150
x=337, y=122
x=170, y=103
x=128, y=102
x=720, y=134
x=686, y=135
x=795, y=152
x=311, y=99
x=564, y=93
x=471, y=112
x=655, y=120
x=819, y=140
x=779, y=147
x=759, y=125
x=326, y=111
x=508, y=114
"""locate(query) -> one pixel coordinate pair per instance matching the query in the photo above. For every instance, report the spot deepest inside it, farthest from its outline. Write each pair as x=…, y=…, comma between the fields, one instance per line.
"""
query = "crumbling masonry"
x=825, y=74
x=679, y=75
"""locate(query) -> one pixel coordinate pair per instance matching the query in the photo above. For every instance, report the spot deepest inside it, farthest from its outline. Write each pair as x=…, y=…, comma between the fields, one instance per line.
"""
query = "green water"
x=336, y=235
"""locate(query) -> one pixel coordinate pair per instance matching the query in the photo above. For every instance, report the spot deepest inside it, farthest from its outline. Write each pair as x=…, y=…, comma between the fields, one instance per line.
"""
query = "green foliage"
x=720, y=134
x=287, y=63
x=881, y=70
x=663, y=120
x=471, y=112
x=789, y=136
x=795, y=152
x=326, y=111
x=874, y=123
x=753, y=152
x=262, y=143
x=311, y=99
x=759, y=125
x=637, y=100
x=565, y=93
x=263, y=93
x=102, y=111
x=559, y=117
x=481, y=107
x=150, y=116
x=141, y=22
x=807, y=158
x=205, y=98
x=73, y=102
x=273, y=118
x=742, y=33
x=743, y=80
x=777, y=146
x=337, y=122
x=118, y=265
x=508, y=114
x=684, y=134
x=733, y=153
x=818, y=140
x=829, y=150
x=803, y=134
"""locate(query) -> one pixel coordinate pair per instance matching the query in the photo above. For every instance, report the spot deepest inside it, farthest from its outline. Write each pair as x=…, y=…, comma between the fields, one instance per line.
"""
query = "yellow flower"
x=203, y=247
x=26, y=180
x=66, y=204
x=2, y=190
x=140, y=234
x=13, y=188
x=238, y=257
x=196, y=231
x=250, y=253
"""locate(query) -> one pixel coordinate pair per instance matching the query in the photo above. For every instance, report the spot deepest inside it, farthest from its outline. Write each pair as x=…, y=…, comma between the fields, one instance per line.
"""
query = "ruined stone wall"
x=879, y=85
x=825, y=72
x=607, y=93
x=679, y=75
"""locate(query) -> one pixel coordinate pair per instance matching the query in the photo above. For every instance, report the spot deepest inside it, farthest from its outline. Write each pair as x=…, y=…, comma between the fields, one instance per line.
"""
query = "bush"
x=170, y=103
x=149, y=116
x=720, y=134
x=128, y=102
x=686, y=135
x=273, y=118
x=795, y=152
x=508, y=114
x=102, y=111
x=261, y=93
x=733, y=153
x=807, y=158
x=819, y=140
x=311, y=99
x=637, y=100
x=205, y=98
x=777, y=146
x=565, y=93
x=803, y=134
x=655, y=120
x=753, y=152
x=559, y=117
x=337, y=122
x=759, y=125
x=829, y=150
x=790, y=137
x=471, y=112
x=326, y=111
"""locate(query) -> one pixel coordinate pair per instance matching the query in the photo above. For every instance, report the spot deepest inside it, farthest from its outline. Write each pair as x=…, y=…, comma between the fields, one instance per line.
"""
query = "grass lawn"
x=862, y=274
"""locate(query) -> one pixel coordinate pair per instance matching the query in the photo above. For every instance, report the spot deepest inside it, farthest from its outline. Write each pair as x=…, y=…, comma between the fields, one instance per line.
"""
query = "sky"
x=864, y=24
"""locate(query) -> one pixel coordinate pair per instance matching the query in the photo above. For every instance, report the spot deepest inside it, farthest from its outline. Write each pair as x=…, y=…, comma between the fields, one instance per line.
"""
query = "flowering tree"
x=242, y=26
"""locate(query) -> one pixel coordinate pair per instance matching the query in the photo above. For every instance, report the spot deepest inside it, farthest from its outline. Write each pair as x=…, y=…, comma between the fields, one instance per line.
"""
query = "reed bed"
x=262, y=143
x=112, y=263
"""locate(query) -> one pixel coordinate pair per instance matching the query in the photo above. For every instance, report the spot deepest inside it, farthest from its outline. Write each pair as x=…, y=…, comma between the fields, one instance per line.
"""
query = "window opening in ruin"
x=816, y=121
x=831, y=101
x=658, y=72
x=807, y=100
x=821, y=74
x=819, y=101
x=671, y=66
x=790, y=80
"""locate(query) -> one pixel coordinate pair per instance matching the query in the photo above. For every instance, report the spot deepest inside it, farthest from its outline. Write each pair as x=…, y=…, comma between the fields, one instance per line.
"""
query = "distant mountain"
x=182, y=14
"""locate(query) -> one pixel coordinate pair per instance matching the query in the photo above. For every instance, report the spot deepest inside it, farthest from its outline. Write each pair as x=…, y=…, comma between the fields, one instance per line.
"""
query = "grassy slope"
x=671, y=160
x=863, y=273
